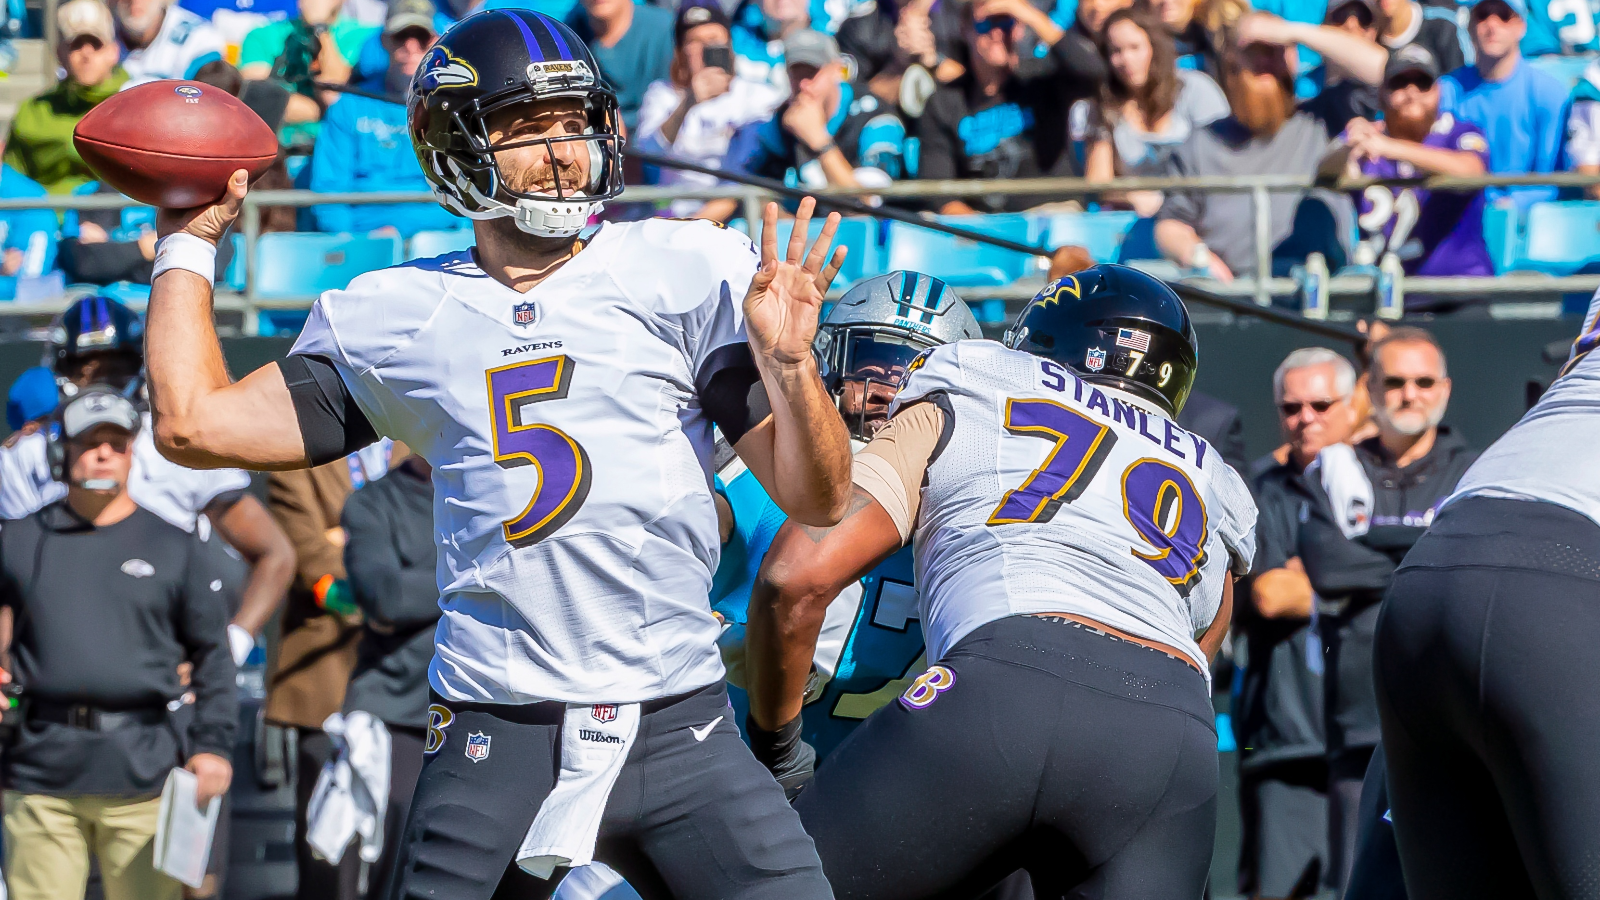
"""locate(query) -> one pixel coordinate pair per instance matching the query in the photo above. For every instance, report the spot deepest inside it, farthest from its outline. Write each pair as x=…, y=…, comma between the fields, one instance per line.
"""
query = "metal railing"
x=751, y=201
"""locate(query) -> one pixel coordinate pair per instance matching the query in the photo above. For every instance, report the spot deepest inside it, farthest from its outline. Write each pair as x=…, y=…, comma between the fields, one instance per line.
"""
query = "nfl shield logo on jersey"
x=1095, y=360
x=524, y=313
x=603, y=712
x=477, y=746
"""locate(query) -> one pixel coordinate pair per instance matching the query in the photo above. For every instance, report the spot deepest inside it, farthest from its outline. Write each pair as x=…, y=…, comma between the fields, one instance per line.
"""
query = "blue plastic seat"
x=1500, y=234
x=304, y=264
x=427, y=244
x=958, y=261
x=857, y=233
x=1101, y=233
x=1561, y=238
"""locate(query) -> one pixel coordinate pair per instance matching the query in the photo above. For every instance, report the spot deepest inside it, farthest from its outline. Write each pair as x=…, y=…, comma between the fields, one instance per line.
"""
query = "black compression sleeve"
x=731, y=391
x=331, y=424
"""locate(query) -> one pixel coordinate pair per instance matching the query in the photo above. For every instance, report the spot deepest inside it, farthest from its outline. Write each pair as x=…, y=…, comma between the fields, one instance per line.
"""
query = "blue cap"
x=32, y=395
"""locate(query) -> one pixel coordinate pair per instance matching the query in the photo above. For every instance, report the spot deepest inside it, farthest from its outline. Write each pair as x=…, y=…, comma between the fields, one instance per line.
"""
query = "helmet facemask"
x=561, y=212
x=876, y=359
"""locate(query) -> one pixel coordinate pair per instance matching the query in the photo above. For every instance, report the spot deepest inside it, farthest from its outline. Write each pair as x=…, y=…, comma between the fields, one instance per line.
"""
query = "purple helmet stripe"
x=561, y=44
x=534, y=53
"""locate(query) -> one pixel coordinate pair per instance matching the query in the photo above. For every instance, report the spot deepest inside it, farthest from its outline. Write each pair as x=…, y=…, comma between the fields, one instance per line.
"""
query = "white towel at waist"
x=594, y=744
x=352, y=793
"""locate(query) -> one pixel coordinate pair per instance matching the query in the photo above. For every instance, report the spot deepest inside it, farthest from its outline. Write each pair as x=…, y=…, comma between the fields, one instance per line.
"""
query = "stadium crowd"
x=862, y=94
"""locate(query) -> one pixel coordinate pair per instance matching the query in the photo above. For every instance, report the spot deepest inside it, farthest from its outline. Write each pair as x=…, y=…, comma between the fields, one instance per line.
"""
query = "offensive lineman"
x=564, y=390
x=1484, y=660
x=1072, y=544
x=871, y=638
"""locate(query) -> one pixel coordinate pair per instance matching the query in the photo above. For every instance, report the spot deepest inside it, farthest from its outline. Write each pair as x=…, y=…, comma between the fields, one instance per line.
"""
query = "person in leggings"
x=1075, y=552
x=1487, y=658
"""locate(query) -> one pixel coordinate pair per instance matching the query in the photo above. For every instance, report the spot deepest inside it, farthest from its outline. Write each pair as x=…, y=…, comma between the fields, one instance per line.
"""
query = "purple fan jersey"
x=1434, y=232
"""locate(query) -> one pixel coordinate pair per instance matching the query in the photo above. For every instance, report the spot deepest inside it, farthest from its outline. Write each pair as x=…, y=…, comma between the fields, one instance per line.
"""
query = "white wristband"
x=182, y=250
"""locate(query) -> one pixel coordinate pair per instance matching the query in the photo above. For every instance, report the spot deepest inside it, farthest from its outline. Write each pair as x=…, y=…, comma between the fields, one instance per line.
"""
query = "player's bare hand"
x=785, y=298
x=207, y=222
x=212, y=774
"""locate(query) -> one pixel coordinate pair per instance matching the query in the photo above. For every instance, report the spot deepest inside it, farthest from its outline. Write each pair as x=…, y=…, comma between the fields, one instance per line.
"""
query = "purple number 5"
x=563, y=465
x=1081, y=445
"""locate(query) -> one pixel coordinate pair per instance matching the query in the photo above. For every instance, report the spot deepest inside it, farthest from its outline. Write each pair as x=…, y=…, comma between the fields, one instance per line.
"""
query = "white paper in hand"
x=183, y=832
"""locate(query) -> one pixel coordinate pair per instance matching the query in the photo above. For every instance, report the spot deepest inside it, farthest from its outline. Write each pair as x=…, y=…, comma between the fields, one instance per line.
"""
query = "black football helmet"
x=488, y=61
x=1115, y=326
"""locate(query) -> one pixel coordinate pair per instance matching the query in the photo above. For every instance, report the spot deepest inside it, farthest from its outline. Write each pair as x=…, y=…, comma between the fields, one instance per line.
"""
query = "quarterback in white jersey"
x=563, y=385
x=1484, y=661
x=1075, y=554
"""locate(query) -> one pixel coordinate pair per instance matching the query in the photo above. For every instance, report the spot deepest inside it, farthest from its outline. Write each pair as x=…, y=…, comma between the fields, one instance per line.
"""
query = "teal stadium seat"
x=428, y=244
x=1561, y=237
x=957, y=261
x=1101, y=233
x=1500, y=234
x=857, y=233
x=304, y=264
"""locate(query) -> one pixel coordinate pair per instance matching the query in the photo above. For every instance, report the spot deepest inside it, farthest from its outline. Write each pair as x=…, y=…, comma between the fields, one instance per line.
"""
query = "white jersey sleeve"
x=26, y=484
x=1052, y=494
x=709, y=253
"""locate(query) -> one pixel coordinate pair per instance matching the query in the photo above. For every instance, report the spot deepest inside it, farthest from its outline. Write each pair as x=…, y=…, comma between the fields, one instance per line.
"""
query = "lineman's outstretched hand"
x=208, y=222
x=785, y=298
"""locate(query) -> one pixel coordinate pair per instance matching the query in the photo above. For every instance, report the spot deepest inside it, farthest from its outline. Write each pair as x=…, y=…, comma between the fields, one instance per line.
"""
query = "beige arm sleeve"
x=890, y=469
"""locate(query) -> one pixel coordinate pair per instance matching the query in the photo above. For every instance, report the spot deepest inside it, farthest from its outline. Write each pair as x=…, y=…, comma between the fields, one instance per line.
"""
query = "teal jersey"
x=871, y=643
x=1561, y=26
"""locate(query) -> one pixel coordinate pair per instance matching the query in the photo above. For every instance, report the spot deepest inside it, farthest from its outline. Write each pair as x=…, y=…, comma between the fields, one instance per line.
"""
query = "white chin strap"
x=555, y=218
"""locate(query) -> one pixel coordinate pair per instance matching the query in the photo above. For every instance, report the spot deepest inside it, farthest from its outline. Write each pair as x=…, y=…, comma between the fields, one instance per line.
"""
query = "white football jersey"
x=174, y=493
x=184, y=44
x=1553, y=453
x=1055, y=495
x=571, y=457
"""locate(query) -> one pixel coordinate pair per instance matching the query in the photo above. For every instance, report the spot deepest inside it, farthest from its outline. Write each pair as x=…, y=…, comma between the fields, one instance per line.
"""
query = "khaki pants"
x=48, y=840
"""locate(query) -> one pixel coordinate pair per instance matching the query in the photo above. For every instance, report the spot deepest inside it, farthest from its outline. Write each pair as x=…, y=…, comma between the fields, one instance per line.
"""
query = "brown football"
x=173, y=144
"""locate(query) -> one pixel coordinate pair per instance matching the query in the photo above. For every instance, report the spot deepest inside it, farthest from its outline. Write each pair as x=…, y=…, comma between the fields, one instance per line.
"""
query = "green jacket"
x=40, y=145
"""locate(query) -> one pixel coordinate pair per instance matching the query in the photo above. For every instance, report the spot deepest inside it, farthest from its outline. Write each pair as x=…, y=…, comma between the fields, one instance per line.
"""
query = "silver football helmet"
x=874, y=332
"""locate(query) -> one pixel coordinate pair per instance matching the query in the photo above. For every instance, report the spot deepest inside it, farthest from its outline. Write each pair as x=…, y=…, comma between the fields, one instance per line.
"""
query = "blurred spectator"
x=1278, y=712
x=759, y=30
x=632, y=43
x=1583, y=126
x=390, y=556
x=105, y=246
x=999, y=119
x=321, y=629
x=40, y=144
x=694, y=113
x=1352, y=60
x=1344, y=96
x=27, y=236
x=319, y=44
x=1308, y=57
x=236, y=18
x=108, y=601
x=1557, y=27
x=1213, y=232
x=902, y=51
x=1520, y=108
x=1432, y=232
x=1147, y=106
x=163, y=40
x=1371, y=503
x=372, y=67
x=1402, y=23
x=1196, y=27
x=818, y=133
x=363, y=145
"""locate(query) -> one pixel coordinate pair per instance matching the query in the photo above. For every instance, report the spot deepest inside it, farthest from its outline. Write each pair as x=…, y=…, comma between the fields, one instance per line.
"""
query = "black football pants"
x=1087, y=760
x=1487, y=662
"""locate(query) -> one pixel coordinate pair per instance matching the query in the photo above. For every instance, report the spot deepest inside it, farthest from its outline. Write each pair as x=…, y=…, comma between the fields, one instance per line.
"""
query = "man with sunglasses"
x=1521, y=109
x=1432, y=232
x=1352, y=539
x=1277, y=712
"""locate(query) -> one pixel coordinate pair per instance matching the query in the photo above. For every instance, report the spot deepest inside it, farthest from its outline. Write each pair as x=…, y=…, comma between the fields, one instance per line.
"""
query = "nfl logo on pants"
x=477, y=746
x=603, y=712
